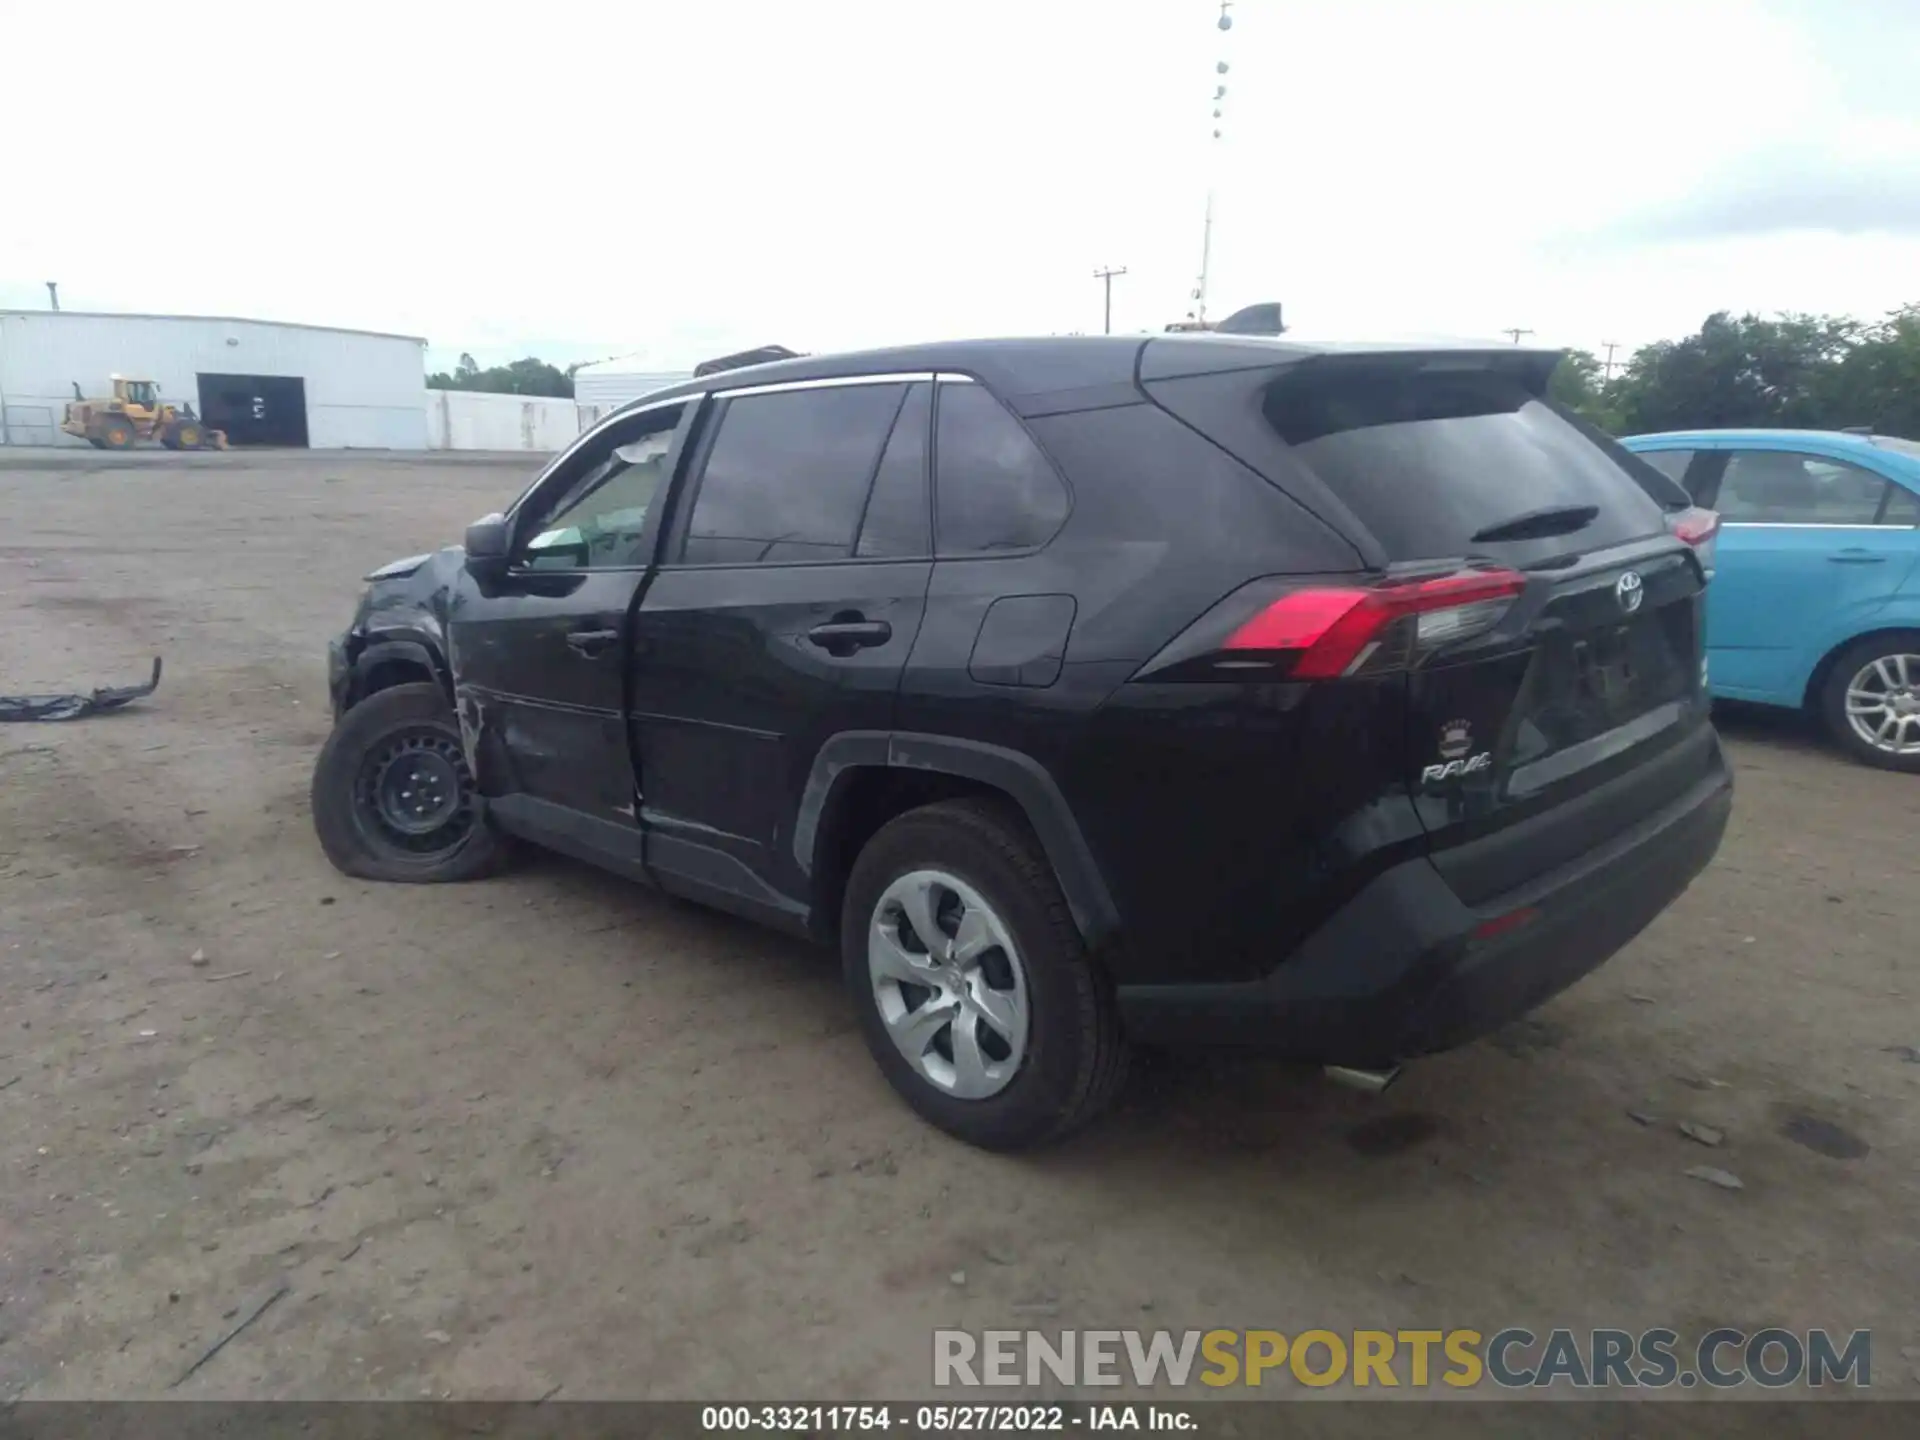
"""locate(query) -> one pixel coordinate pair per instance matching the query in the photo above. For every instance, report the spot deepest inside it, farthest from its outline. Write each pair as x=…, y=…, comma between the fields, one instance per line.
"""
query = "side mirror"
x=488, y=541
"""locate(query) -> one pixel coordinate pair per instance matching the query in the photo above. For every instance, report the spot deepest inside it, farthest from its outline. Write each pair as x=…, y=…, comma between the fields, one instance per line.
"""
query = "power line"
x=1516, y=331
x=1105, y=277
x=1606, y=370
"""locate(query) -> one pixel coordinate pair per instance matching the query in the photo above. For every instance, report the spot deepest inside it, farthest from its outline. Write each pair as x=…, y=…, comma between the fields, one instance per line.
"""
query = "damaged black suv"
x=1344, y=702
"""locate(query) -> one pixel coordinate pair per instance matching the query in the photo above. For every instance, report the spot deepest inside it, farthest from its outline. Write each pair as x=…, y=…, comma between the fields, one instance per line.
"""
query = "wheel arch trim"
x=1021, y=778
x=388, y=647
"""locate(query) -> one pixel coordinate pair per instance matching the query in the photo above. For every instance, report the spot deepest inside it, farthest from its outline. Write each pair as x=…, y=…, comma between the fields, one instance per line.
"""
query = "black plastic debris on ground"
x=74, y=707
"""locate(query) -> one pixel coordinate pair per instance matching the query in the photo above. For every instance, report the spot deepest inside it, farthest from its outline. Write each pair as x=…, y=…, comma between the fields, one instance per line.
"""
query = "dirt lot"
x=554, y=1131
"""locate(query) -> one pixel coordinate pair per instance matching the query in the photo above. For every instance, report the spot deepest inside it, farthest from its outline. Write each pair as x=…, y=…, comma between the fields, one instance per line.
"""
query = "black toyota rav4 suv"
x=1340, y=701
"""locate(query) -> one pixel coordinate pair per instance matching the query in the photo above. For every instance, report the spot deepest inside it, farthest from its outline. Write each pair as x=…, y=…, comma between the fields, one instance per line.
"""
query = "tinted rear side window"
x=896, y=519
x=996, y=491
x=787, y=475
x=1427, y=459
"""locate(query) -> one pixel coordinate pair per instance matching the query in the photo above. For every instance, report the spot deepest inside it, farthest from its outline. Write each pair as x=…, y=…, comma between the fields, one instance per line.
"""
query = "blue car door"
x=1808, y=540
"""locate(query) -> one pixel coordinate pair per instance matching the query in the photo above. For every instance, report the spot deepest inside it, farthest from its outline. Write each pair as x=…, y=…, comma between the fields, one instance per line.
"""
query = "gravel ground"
x=551, y=1130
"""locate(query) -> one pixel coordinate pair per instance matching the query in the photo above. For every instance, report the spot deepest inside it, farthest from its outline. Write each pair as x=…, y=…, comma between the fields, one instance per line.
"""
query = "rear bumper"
x=1404, y=968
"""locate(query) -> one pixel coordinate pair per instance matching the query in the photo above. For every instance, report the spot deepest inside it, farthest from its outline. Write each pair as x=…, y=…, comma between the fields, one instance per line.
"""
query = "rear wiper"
x=1534, y=524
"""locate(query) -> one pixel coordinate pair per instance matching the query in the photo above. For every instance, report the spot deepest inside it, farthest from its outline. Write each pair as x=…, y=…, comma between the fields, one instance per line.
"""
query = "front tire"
x=393, y=798
x=1871, y=701
x=996, y=1027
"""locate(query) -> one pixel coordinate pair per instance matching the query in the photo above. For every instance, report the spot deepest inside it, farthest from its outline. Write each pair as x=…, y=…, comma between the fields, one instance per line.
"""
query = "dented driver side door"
x=539, y=655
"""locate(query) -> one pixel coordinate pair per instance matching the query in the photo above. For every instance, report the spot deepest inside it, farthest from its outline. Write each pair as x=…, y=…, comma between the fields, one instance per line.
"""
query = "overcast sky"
x=680, y=179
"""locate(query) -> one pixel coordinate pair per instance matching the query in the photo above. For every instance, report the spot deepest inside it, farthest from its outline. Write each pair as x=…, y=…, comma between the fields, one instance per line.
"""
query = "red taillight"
x=1696, y=526
x=1340, y=631
x=1700, y=528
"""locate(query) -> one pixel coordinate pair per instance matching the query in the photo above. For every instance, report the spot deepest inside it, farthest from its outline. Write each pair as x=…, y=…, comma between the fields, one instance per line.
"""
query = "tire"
x=96, y=442
x=1072, y=1057
x=187, y=437
x=116, y=435
x=392, y=735
x=1883, y=671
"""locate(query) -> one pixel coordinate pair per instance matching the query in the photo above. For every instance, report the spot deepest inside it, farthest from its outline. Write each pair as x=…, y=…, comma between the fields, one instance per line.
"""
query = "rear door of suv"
x=1815, y=543
x=1524, y=582
x=792, y=586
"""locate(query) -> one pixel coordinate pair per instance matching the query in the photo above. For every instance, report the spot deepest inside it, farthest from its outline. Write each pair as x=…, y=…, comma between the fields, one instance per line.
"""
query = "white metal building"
x=262, y=382
x=477, y=420
x=607, y=384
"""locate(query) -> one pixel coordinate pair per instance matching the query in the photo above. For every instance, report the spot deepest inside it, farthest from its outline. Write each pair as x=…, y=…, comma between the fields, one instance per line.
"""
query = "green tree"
x=1579, y=384
x=1878, y=382
x=1747, y=370
x=522, y=377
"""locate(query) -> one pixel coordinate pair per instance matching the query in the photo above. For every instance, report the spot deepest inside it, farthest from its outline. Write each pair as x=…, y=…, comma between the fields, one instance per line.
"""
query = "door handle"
x=591, y=642
x=1856, y=556
x=843, y=637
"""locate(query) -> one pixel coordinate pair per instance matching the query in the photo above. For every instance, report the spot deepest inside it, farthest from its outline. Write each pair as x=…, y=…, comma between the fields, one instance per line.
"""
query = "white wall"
x=605, y=385
x=473, y=420
x=362, y=390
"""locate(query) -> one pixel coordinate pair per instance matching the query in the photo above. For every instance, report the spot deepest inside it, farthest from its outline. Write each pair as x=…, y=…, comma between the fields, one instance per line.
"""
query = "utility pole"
x=1206, y=264
x=1224, y=23
x=1606, y=370
x=1105, y=277
x=53, y=293
x=1516, y=332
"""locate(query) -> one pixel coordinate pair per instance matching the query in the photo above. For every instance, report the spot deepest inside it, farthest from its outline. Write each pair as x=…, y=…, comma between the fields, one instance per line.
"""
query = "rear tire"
x=1043, y=1051
x=393, y=798
x=1876, y=683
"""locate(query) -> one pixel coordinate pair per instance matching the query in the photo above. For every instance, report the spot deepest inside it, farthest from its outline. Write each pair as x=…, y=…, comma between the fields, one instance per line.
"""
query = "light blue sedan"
x=1815, y=601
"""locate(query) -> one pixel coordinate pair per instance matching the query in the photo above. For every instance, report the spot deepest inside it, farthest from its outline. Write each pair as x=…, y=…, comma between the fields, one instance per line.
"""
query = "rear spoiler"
x=1532, y=368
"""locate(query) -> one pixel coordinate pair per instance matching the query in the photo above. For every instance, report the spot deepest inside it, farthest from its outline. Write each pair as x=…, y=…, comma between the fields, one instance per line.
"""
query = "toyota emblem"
x=1629, y=591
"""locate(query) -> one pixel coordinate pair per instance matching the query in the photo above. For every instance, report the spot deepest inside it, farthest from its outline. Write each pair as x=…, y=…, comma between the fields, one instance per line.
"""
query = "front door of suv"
x=538, y=656
x=790, y=594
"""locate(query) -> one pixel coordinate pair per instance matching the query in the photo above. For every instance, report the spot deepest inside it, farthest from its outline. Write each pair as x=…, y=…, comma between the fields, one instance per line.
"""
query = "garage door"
x=256, y=409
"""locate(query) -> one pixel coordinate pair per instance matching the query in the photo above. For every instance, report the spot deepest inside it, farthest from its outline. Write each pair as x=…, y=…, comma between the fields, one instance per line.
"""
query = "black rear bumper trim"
x=1398, y=971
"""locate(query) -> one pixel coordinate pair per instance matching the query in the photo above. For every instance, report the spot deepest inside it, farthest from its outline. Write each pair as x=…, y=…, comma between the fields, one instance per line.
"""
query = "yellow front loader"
x=136, y=412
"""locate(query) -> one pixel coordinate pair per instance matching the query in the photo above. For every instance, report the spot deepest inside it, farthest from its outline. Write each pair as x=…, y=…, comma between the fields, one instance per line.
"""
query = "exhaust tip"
x=1368, y=1082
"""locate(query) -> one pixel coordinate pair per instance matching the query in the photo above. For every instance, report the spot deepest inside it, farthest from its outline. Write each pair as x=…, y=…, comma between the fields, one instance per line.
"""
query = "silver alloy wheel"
x=949, y=983
x=1883, y=704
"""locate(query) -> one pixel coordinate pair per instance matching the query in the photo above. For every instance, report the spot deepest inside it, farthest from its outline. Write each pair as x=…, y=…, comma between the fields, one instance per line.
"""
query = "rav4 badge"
x=1453, y=769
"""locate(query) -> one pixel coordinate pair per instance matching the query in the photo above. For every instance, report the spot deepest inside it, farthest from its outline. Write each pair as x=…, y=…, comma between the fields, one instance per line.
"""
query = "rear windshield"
x=1427, y=459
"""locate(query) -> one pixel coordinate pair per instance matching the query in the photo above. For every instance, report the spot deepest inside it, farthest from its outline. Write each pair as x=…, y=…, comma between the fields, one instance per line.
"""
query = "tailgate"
x=1596, y=672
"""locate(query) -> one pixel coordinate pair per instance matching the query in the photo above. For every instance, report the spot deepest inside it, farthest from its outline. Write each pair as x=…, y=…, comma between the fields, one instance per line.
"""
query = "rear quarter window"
x=995, y=492
x=1427, y=459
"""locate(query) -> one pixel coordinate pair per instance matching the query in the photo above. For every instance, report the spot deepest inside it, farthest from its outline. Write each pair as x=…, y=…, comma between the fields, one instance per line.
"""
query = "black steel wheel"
x=393, y=796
